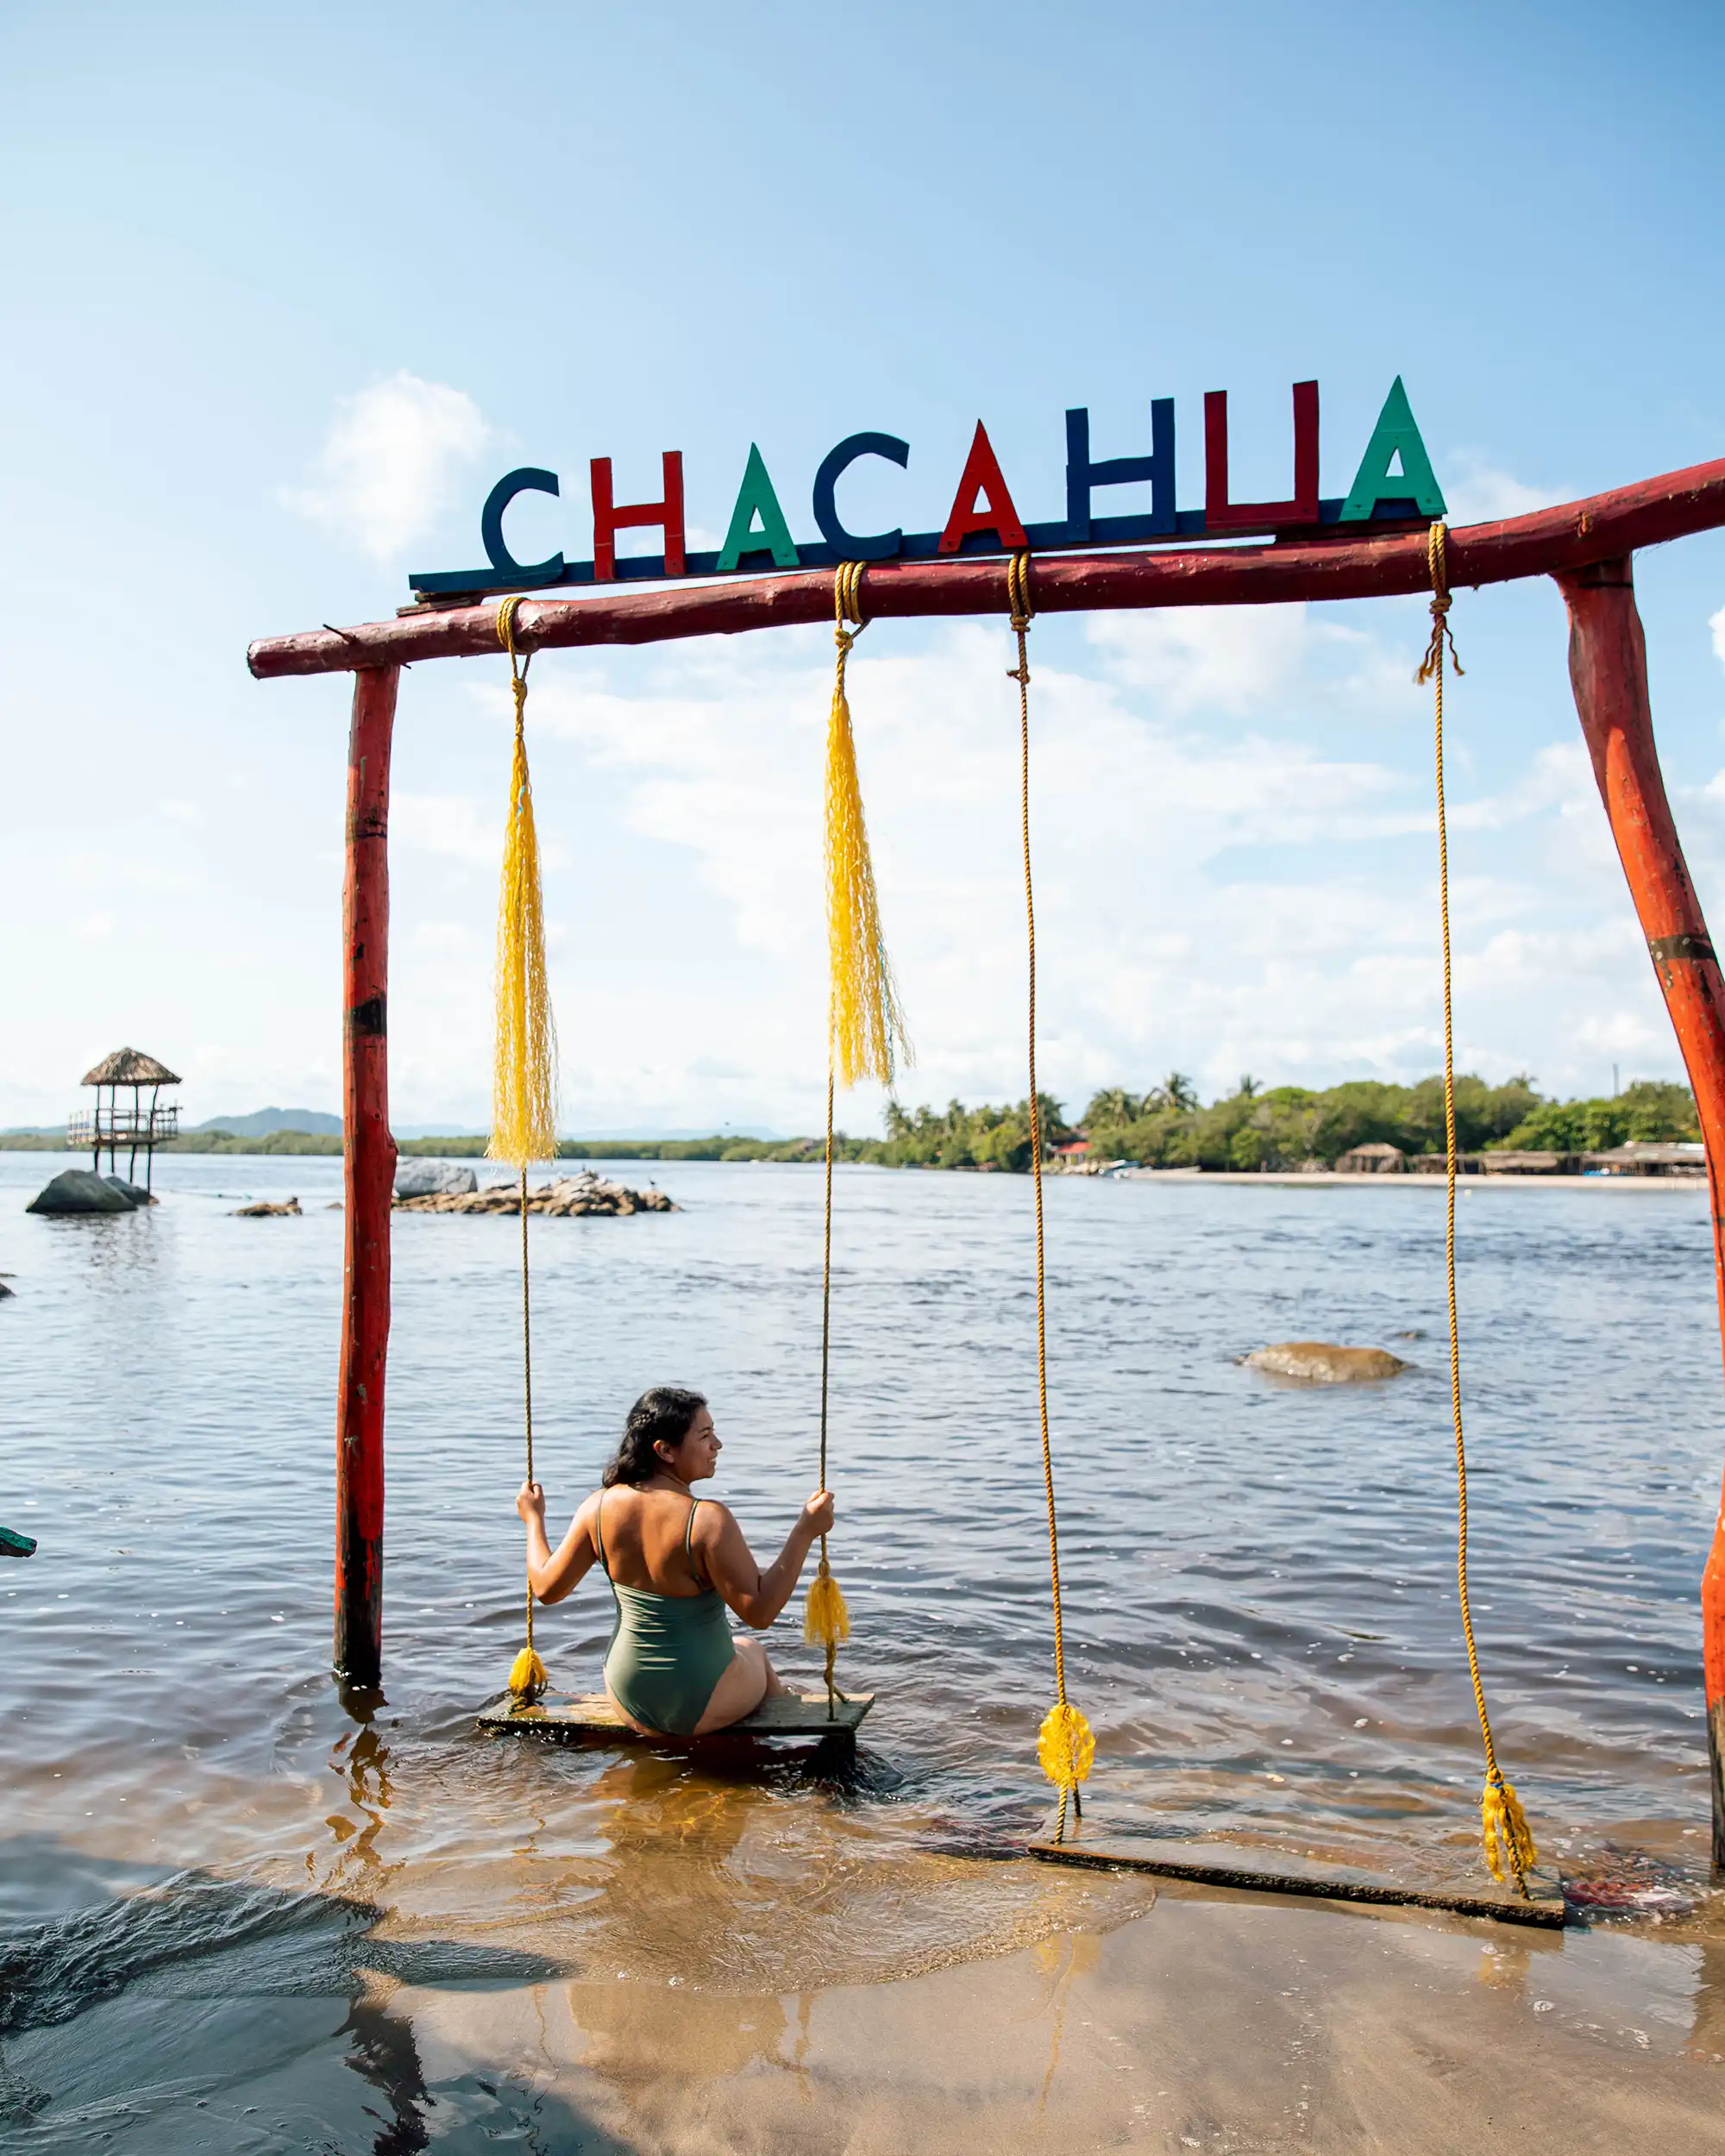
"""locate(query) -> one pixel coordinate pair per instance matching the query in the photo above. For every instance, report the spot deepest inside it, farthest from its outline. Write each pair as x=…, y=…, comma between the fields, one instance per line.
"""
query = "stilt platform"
x=1277, y=1871
x=567, y=1718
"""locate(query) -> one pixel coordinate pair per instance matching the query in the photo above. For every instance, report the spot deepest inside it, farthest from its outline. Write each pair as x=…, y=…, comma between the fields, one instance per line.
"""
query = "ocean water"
x=1260, y=1607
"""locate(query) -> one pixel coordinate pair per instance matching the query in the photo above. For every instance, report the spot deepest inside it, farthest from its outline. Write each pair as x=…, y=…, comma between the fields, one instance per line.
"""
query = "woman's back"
x=645, y=1540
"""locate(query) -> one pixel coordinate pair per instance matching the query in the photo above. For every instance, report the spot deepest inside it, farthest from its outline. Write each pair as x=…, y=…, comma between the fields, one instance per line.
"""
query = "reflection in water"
x=1707, y=2029
x=383, y=2050
x=1060, y=1960
x=366, y=1766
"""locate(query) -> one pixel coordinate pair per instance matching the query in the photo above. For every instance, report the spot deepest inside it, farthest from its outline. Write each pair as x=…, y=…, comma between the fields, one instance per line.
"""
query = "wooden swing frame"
x=1588, y=547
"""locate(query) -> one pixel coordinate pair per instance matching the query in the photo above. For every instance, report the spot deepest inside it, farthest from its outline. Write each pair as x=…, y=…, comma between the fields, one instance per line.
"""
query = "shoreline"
x=1290, y=1179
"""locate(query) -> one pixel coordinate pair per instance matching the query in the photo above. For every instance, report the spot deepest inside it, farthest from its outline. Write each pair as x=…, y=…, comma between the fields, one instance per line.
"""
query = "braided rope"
x=1065, y=1745
x=847, y=606
x=1501, y=1817
x=517, y=682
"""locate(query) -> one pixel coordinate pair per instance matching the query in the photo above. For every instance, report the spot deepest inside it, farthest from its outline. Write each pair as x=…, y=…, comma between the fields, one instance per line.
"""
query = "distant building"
x=1076, y=1150
x=1643, y=1157
x=132, y=1130
x=1376, y=1159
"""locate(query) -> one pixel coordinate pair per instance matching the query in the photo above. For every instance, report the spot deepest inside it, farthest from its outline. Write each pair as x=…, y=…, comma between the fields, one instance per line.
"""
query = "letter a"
x=1395, y=432
x=982, y=475
x=756, y=498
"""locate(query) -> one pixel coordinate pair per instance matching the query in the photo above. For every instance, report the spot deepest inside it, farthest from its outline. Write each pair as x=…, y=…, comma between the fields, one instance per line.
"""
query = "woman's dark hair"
x=664, y=1416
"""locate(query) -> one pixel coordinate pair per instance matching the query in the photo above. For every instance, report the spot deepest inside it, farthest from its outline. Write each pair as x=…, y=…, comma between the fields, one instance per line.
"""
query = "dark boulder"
x=81, y=1190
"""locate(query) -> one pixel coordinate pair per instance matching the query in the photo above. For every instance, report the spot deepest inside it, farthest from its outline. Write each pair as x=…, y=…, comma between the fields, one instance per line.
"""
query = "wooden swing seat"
x=1279, y=1872
x=577, y=1717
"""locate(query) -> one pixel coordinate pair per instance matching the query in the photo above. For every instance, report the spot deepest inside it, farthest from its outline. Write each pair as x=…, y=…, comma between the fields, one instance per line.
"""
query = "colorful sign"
x=1395, y=484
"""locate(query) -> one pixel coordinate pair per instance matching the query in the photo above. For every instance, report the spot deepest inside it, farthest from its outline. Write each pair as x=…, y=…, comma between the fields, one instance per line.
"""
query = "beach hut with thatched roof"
x=135, y=1130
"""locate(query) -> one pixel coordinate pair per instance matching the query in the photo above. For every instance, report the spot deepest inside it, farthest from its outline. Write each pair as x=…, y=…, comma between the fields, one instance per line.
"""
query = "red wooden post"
x=369, y=1184
x=1608, y=668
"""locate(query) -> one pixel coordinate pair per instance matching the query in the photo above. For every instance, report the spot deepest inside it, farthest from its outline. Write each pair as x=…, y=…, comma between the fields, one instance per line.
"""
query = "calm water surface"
x=1261, y=1618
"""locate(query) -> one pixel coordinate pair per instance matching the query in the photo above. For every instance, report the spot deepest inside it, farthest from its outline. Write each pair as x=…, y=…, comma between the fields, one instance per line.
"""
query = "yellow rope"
x=524, y=1083
x=865, y=1025
x=1065, y=1746
x=1503, y=1825
x=826, y=1621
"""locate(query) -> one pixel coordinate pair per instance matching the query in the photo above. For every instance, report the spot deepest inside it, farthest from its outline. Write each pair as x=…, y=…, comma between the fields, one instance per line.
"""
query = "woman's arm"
x=757, y=1596
x=551, y=1576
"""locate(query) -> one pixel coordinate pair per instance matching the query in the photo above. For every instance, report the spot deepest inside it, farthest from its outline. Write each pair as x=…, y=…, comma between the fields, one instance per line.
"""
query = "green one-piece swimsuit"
x=667, y=1651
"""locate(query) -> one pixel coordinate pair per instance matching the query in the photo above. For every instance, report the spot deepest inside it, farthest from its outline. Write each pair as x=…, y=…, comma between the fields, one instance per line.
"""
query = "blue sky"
x=287, y=290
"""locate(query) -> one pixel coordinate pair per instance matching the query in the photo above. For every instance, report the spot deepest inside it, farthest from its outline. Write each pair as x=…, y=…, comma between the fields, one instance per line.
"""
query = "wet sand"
x=1211, y=2023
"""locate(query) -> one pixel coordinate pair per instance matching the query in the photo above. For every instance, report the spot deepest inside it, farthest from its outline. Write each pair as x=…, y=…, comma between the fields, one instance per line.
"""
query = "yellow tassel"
x=867, y=1024
x=826, y=1621
x=1065, y=1746
x=527, y=1678
x=524, y=1072
x=1508, y=1838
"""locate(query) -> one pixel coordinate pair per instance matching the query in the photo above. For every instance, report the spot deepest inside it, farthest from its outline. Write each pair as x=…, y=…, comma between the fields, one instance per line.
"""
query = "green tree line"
x=1254, y=1127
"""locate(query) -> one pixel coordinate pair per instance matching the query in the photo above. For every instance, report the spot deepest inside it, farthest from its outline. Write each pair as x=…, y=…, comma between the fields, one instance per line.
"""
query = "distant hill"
x=261, y=1121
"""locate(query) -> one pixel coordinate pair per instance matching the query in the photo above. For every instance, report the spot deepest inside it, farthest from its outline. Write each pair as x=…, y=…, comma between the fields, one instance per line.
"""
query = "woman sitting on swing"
x=674, y=1668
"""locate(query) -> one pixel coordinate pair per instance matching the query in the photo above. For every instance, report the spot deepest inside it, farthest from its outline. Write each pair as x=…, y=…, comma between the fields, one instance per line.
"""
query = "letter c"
x=529, y=479
x=848, y=547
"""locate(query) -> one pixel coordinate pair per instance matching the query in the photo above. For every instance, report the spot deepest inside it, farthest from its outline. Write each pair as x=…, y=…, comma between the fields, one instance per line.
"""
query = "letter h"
x=1081, y=475
x=608, y=519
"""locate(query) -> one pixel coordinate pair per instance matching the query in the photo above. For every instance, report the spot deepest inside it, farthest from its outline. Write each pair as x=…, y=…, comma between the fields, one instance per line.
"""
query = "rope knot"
x=1020, y=613
x=1437, y=562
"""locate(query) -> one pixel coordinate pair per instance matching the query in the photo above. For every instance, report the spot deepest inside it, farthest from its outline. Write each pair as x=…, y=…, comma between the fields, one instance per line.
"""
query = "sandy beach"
x=1223, y=2024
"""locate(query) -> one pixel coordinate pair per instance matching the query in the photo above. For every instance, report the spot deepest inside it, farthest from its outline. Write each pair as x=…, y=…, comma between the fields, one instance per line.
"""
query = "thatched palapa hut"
x=136, y=1129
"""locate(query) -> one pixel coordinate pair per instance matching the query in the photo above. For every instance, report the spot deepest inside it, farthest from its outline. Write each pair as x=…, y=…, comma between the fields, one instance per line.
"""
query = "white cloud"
x=1213, y=897
x=1478, y=492
x=387, y=467
x=1264, y=662
x=1717, y=623
x=447, y=824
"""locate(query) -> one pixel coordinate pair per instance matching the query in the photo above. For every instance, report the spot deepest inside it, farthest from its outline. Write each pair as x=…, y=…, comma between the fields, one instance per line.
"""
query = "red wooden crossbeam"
x=1570, y=537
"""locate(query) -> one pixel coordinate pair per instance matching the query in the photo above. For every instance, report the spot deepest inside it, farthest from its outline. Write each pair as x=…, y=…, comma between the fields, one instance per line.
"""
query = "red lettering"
x=982, y=475
x=608, y=519
x=1221, y=515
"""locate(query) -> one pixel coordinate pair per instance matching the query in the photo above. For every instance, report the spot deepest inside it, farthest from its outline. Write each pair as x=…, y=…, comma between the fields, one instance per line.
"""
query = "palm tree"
x=1110, y=1108
x=1177, y=1091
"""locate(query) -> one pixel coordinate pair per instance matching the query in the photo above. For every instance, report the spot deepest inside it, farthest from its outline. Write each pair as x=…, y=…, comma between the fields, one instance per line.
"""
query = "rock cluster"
x=266, y=1212
x=1322, y=1363
x=82, y=1190
x=570, y=1197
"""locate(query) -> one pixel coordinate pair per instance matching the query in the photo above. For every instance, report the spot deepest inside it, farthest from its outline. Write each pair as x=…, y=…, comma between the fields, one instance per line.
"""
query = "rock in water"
x=264, y=1212
x=1322, y=1363
x=81, y=1190
x=135, y=1192
x=570, y=1197
x=433, y=1179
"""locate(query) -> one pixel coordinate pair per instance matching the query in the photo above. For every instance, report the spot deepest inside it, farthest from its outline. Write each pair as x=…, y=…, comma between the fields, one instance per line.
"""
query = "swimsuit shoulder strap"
x=598, y=1533
x=688, y=1545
